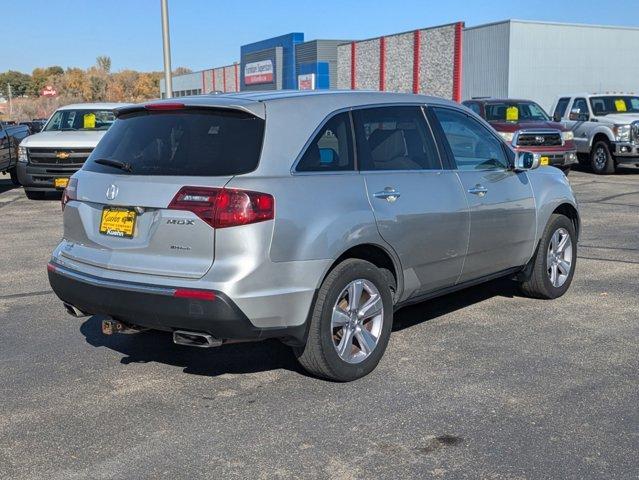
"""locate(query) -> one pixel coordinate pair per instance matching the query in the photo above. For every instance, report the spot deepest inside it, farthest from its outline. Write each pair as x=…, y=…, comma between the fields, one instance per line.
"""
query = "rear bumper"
x=41, y=178
x=157, y=307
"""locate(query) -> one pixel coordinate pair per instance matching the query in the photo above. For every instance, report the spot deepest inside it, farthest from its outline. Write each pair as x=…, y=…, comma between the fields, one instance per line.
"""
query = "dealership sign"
x=306, y=81
x=49, y=91
x=256, y=73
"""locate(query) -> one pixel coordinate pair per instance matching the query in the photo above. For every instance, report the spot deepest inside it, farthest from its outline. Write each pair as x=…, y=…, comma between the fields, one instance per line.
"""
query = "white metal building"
x=542, y=60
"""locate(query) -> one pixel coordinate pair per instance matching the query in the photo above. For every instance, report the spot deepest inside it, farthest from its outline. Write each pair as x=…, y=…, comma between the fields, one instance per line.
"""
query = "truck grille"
x=545, y=139
x=58, y=156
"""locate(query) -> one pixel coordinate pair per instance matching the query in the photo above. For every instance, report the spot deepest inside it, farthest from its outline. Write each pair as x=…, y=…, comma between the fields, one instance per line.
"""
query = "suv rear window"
x=191, y=142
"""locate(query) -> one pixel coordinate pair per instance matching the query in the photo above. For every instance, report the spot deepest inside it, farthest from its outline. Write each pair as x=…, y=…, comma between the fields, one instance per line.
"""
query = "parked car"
x=526, y=126
x=35, y=125
x=10, y=137
x=308, y=217
x=606, y=128
x=47, y=159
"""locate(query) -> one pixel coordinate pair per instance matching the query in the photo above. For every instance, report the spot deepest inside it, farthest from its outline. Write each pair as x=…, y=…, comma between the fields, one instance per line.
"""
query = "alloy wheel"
x=601, y=158
x=559, y=257
x=357, y=320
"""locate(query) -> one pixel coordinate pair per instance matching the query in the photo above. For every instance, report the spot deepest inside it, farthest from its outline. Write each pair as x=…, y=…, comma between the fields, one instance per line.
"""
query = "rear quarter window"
x=191, y=142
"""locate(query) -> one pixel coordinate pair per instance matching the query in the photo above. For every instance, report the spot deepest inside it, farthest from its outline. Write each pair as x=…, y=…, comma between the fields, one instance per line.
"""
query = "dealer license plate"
x=60, y=182
x=118, y=222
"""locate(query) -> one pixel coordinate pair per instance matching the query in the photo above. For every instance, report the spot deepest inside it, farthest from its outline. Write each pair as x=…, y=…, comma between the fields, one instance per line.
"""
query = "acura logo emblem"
x=112, y=192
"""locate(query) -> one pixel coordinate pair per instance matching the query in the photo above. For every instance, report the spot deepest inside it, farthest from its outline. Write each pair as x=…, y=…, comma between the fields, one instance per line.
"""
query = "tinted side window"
x=560, y=109
x=473, y=146
x=332, y=148
x=394, y=138
x=581, y=104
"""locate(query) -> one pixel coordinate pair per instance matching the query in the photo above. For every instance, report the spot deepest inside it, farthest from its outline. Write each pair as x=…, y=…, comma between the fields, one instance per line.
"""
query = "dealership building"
x=512, y=58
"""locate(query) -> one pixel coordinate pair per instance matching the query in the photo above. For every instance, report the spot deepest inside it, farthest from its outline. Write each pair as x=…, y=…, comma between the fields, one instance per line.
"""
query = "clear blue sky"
x=207, y=33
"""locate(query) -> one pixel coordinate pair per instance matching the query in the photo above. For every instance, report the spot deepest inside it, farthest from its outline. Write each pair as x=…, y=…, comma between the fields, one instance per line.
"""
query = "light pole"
x=166, y=45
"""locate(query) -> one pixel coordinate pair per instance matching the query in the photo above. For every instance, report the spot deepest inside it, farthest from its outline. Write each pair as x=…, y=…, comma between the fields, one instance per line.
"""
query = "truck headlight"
x=22, y=155
x=622, y=133
x=567, y=136
x=508, y=136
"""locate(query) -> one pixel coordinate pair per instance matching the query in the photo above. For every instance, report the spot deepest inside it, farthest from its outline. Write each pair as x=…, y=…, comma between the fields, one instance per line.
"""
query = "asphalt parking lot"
x=479, y=384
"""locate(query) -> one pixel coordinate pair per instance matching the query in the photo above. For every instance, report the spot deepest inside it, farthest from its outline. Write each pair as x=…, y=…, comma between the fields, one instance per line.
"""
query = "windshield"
x=66, y=120
x=196, y=142
x=515, y=112
x=611, y=104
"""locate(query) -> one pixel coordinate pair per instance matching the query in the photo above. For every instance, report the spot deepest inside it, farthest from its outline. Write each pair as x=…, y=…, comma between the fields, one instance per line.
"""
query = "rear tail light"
x=224, y=207
x=70, y=193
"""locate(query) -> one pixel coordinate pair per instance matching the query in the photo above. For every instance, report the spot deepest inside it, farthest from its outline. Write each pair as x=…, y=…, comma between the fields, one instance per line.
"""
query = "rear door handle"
x=478, y=190
x=389, y=194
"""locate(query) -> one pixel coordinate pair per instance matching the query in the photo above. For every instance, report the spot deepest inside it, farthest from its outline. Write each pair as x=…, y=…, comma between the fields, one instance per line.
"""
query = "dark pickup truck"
x=10, y=138
x=526, y=127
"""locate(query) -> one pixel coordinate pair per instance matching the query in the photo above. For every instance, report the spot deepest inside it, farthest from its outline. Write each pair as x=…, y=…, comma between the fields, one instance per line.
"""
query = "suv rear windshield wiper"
x=115, y=163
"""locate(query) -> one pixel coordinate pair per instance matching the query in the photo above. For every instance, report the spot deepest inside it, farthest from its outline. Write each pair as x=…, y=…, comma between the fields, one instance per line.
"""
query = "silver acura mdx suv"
x=307, y=217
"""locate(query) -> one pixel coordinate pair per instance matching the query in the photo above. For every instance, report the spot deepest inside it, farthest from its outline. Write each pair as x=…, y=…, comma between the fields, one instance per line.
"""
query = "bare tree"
x=103, y=62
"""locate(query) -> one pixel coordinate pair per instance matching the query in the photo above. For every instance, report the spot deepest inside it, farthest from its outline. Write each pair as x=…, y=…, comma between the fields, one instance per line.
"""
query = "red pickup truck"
x=526, y=126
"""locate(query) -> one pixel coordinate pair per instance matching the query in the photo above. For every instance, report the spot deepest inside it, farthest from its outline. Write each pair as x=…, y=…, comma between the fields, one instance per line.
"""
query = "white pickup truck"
x=47, y=159
x=605, y=126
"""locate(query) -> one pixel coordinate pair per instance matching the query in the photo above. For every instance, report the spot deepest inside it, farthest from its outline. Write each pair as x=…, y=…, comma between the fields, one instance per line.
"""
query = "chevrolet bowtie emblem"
x=62, y=155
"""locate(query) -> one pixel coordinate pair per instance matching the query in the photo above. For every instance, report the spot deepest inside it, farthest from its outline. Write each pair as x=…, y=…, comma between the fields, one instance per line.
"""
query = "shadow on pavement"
x=251, y=357
x=621, y=170
x=422, y=312
x=155, y=346
x=6, y=184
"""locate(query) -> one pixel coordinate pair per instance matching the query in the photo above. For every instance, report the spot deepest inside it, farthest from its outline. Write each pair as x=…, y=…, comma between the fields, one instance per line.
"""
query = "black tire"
x=319, y=356
x=34, y=195
x=601, y=160
x=538, y=284
x=14, y=177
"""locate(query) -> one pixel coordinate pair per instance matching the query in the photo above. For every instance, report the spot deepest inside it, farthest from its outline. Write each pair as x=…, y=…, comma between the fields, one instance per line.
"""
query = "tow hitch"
x=111, y=326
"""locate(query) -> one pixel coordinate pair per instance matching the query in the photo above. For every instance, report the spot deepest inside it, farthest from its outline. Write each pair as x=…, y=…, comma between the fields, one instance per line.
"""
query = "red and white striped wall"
x=426, y=61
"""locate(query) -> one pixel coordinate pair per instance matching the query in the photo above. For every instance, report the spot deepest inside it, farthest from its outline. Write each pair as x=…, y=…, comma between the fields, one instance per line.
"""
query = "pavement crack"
x=27, y=294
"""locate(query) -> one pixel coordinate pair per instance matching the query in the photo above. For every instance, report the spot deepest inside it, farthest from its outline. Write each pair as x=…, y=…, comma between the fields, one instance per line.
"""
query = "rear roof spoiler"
x=254, y=108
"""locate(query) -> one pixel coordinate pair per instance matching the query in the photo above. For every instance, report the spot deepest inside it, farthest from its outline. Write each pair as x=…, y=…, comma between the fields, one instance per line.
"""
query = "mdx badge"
x=180, y=221
x=112, y=192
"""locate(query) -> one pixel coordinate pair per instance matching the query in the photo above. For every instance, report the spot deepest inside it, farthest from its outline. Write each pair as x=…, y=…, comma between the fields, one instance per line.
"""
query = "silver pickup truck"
x=605, y=126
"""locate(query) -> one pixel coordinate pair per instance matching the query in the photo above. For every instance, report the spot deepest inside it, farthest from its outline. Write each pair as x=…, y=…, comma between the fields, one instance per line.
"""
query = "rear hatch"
x=144, y=201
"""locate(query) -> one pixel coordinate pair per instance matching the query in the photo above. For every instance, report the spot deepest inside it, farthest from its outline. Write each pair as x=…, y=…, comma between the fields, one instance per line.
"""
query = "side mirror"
x=577, y=116
x=556, y=117
x=526, y=161
x=327, y=156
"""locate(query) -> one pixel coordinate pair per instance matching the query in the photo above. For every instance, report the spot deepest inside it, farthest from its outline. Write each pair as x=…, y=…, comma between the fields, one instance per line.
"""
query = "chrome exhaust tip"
x=195, y=339
x=74, y=311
